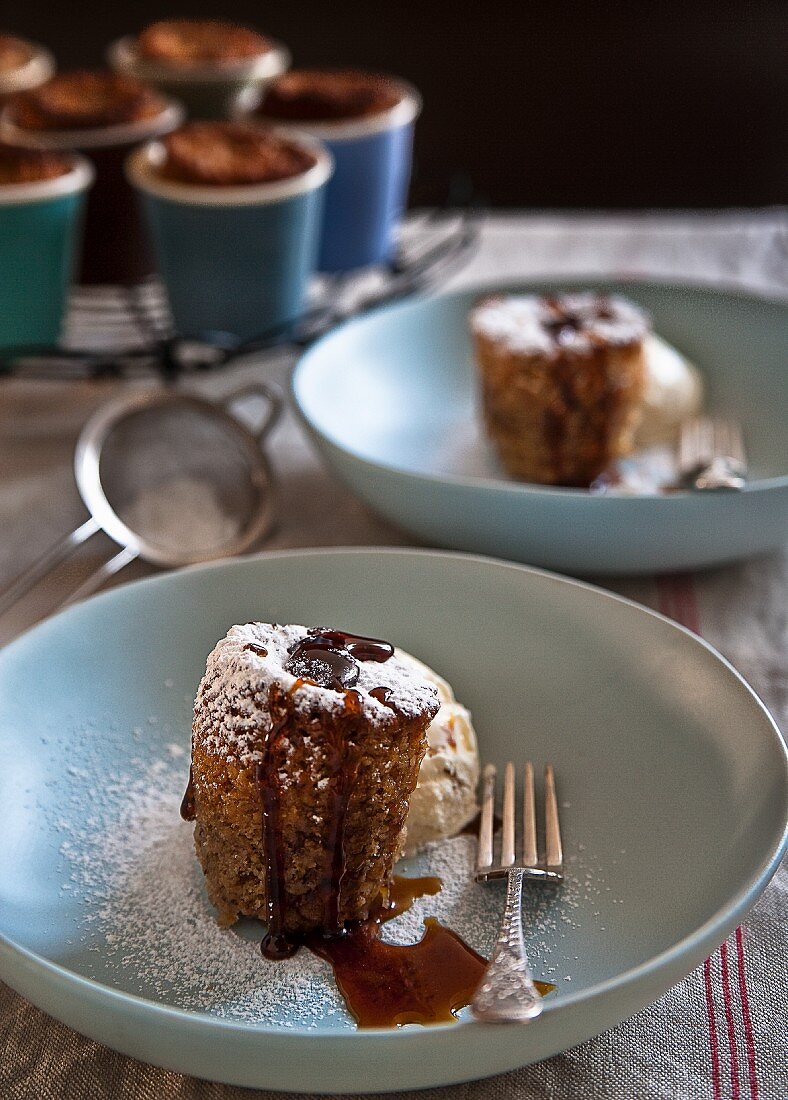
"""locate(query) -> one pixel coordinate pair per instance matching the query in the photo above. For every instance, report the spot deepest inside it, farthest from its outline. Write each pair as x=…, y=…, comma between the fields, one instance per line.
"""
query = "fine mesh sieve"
x=172, y=478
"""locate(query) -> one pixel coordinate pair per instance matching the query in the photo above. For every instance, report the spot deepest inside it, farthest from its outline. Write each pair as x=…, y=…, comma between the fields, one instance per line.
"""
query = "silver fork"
x=507, y=993
x=711, y=454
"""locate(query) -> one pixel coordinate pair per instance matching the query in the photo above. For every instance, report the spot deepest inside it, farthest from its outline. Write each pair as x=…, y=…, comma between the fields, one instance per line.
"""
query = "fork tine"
x=689, y=445
x=554, y=856
x=507, y=837
x=710, y=439
x=530, y=854
x=484, y=851
x=736, y=442
x=721, y=438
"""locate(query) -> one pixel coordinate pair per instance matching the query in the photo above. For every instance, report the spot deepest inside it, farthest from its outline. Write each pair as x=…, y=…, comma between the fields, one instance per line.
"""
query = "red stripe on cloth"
x=687, y=604
x=684, y=600
x=714, y=1045
x=752, y=1072
x=728, y=1004
x=676, y=596
x=665, y=596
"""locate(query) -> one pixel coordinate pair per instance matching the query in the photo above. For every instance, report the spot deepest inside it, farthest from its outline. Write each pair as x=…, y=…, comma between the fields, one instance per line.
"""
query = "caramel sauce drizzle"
x=188, y=808
x=276, y=944
x=386, y=985
x=569, y=401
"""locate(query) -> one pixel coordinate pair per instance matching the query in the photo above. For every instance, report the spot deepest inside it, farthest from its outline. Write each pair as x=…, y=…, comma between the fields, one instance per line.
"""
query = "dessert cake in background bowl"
x=208, y=64
x=562, y=382
x=425, y=461
x=23, y=65
x=103, y=115
x=367, y=121
x=235, y=212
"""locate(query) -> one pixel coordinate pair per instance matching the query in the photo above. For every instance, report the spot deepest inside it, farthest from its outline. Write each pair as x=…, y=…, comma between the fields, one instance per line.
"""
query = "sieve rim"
x=87, y=471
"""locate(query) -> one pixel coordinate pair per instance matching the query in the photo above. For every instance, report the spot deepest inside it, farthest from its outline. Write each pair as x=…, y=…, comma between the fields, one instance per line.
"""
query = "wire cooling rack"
x=126, y=332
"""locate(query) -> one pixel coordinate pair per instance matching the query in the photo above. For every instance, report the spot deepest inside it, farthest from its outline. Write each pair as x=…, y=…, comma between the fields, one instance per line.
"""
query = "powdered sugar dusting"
x=251, y=659
x=529, y=325
x=148, y=920
x=183, y=515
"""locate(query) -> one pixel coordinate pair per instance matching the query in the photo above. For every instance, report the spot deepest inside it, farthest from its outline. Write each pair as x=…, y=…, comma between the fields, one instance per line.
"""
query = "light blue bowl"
x=366, y=195
x=391, y=401
x=673, y=772
x=40, y=236
x=233, y=259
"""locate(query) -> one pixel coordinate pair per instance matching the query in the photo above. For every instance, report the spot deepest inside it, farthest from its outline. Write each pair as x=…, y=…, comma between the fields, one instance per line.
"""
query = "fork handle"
x=507, y=993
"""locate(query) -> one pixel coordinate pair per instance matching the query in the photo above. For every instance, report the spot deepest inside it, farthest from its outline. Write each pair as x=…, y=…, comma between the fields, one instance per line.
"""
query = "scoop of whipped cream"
x=445, y=797
x=674, y=392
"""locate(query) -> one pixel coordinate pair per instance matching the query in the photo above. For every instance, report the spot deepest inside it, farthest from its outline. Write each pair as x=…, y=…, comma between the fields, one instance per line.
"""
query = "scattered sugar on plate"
x=147, y=917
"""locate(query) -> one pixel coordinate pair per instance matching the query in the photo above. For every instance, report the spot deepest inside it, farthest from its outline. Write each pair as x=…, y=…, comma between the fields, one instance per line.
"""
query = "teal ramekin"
x=40, y=238
x=234, y=259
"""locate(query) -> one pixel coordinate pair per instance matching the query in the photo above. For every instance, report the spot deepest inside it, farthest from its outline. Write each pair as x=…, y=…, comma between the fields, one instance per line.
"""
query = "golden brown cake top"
x=579, y=323
x=14, y=53
x=325, y=95
x=316, y=668
x=31, y=166
x=226, y=154
x=185, y=43
x=84, y=100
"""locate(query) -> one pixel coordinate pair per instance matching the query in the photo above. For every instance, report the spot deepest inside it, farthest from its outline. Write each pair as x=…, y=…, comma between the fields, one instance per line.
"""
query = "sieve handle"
x=46, y=563
x=274, y=405
x=103, y=573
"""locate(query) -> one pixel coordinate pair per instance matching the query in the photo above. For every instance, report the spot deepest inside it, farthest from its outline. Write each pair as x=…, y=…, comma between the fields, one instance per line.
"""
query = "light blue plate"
x=390, y=400
x=672, y=778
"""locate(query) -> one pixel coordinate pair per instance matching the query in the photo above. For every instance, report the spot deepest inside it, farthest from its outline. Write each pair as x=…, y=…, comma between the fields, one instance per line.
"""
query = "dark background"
x=556, y=103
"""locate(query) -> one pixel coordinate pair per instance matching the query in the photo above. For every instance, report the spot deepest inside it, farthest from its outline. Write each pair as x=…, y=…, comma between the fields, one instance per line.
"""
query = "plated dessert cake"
x=562, y=382
x=306, y=748
x=326, y=95
x=231, y=154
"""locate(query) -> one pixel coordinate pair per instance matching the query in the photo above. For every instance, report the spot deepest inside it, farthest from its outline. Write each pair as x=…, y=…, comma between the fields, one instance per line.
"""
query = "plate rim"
x=470, y=482
x=715, y=929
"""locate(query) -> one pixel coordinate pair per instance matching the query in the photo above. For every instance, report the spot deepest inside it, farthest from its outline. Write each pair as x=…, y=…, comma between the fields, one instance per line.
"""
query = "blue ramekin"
x=233, y=259
x=40, y=235
x=367, y=193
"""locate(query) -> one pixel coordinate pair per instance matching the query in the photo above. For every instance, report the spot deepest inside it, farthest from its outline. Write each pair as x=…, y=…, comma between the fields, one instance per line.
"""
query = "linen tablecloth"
x=720, y=1033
